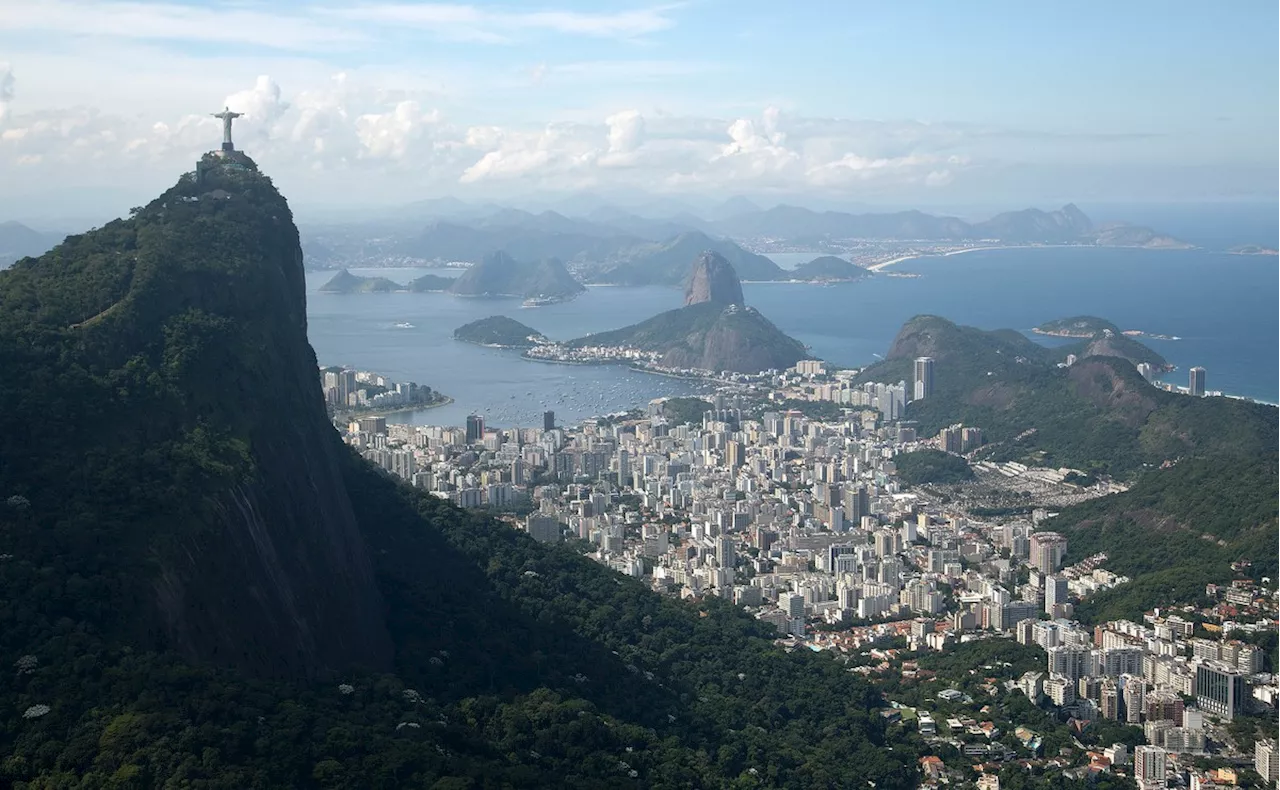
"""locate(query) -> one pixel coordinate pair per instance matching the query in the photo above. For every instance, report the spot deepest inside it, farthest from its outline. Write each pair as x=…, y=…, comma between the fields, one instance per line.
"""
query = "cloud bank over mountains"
x=354, y=128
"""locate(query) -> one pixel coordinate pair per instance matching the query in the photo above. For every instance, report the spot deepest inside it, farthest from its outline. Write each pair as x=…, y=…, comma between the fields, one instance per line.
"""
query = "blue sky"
x=844, y=102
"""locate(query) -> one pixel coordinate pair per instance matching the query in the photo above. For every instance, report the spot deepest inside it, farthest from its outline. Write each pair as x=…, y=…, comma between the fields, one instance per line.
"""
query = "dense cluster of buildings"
x=346, y=389
x=796, y=518
x=805, y=522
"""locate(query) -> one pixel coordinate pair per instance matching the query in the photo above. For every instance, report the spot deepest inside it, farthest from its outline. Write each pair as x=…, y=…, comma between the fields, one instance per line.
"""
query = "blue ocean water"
x=1222, y=306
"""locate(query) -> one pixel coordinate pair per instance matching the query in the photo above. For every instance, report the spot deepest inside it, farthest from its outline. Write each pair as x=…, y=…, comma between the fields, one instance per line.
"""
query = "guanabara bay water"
x=1221, y=307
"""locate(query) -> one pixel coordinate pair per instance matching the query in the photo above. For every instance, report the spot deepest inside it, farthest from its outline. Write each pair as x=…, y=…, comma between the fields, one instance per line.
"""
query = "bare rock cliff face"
x=713, y=280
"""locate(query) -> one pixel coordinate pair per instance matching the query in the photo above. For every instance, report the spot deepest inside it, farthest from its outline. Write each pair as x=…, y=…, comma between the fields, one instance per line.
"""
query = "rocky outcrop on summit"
x=184, y=450
x=713, y=280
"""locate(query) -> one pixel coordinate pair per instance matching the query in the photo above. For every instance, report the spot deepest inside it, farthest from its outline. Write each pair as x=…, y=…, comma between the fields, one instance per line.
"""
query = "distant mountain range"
x=1029, y=226
x=496, y=275
x=612, y=245
x=606, y=244
x=18, y=241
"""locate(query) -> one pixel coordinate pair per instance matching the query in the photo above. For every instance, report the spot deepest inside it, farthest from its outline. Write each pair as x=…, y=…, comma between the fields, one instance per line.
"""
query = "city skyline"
x=394, y=102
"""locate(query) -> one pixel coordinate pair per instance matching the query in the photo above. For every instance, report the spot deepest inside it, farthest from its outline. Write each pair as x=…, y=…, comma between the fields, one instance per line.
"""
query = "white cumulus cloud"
x=352, y=132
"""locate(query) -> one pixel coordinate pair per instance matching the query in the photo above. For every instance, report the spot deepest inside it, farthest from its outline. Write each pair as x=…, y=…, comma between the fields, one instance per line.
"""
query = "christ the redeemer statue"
x=226, y=116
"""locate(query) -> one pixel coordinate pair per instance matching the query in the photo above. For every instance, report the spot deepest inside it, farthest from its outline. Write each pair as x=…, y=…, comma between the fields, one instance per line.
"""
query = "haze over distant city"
x=833, y=105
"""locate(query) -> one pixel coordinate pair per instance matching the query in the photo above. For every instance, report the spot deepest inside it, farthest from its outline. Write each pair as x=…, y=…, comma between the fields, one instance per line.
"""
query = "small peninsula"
x=830, y=269
x=499, y=331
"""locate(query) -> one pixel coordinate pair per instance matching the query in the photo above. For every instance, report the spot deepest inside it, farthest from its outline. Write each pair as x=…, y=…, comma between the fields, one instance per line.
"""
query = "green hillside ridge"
x=1099, y=415
x=203, y=587
x=498, y=274
x=1198, y=466
x=501, y=331
x=1113, y=344
x=344, y=282
x=1176, y=530
x=829, y=268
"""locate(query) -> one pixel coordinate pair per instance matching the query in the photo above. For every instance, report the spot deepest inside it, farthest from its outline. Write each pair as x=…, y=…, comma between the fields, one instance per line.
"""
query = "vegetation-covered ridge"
x=1177, y=529
x=828, y=268
x=204, y=588
x=1080, y=326
x=1098, y=415
x=501, y=331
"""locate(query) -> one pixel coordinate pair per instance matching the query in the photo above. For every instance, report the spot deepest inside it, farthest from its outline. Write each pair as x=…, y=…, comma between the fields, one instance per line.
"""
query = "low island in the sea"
x=829, y=269
x=344, y=282
x=1253, y=249
x=1079, y=326
x=1083, y=327
x=499, y=331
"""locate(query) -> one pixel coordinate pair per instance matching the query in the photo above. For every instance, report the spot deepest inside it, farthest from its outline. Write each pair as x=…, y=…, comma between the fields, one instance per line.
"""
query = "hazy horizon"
x=102, y=104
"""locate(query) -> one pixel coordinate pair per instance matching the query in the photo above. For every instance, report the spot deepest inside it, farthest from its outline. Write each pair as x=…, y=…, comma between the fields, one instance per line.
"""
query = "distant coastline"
x=875, y=267
x=444, y=401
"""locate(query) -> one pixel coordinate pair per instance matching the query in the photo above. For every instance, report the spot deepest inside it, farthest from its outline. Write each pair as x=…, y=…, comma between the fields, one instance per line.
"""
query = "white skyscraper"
x=923, y=378
x=1197, y=381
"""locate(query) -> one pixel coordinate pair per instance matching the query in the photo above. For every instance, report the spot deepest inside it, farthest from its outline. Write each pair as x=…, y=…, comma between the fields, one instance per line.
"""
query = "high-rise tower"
x=1197, y=382
x=923, y=378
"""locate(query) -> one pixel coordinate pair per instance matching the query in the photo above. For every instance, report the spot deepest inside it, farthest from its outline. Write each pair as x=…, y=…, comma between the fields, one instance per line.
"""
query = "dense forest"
x=1177, y=530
